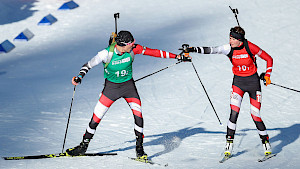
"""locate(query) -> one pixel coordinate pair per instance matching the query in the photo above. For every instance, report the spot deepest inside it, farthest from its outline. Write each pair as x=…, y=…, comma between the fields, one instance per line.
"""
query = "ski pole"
x=235, y=11
x=206, y=94
x=158, y=71
x=161, y=69
x=285, y=87
x=262, y=77
x=185, y=51
x=68, y=120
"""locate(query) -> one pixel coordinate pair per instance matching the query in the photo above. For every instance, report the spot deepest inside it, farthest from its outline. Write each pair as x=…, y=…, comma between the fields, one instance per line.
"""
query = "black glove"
x=76, y=80
x=185, y=58
x=262, y=77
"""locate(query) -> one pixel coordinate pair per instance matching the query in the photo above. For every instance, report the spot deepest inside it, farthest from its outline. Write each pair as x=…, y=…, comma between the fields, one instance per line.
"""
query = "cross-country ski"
x=148, y=161
x=56, y=156
x=266, y=157
x=225, y=158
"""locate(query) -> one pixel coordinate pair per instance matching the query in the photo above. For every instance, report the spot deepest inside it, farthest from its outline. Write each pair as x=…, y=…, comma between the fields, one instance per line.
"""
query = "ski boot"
x=80, y=149
x=140, y=154
x=228, y=146
x=266, y=145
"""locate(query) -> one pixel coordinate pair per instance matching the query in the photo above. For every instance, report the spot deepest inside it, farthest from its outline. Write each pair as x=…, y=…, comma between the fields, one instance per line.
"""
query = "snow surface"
x=181, y=128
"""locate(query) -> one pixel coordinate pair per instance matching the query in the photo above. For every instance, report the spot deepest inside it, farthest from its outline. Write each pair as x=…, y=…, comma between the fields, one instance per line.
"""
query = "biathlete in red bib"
x=246, y=80
x=117, y=61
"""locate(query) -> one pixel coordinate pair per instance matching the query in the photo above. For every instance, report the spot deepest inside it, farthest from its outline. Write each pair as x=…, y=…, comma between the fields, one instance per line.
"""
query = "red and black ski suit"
x=245, y=80
x=113, y=91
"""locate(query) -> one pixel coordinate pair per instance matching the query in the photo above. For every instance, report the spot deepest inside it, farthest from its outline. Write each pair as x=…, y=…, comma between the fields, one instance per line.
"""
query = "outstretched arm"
x=138, y=49
x=224, y=49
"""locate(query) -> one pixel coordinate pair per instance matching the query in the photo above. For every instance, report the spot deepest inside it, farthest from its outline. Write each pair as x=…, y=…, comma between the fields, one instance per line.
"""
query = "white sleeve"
x=100, y=57
x=224, y=49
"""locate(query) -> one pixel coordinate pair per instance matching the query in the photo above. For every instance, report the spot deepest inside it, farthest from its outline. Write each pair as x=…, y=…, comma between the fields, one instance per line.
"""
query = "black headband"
x=236, y=35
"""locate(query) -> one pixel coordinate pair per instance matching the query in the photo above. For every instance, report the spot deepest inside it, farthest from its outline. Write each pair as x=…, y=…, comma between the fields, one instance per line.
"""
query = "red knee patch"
x=137, y=113
x=255, y=103
x=105, y=101
x=134, y=100
x=255, y=118
x=234, y=108
x=96, y=119
x=237, y=90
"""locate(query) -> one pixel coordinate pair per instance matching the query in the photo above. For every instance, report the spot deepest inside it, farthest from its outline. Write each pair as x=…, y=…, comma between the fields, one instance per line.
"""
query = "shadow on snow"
x=286, y=136
x=172, y=140
x=15, y=10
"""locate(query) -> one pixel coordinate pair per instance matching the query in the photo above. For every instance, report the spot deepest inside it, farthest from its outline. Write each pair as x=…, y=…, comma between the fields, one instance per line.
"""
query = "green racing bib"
x=119, y=69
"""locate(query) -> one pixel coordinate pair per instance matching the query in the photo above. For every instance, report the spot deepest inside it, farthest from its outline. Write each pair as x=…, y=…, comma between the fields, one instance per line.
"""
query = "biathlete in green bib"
x=117, y=61
x=118, y=68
